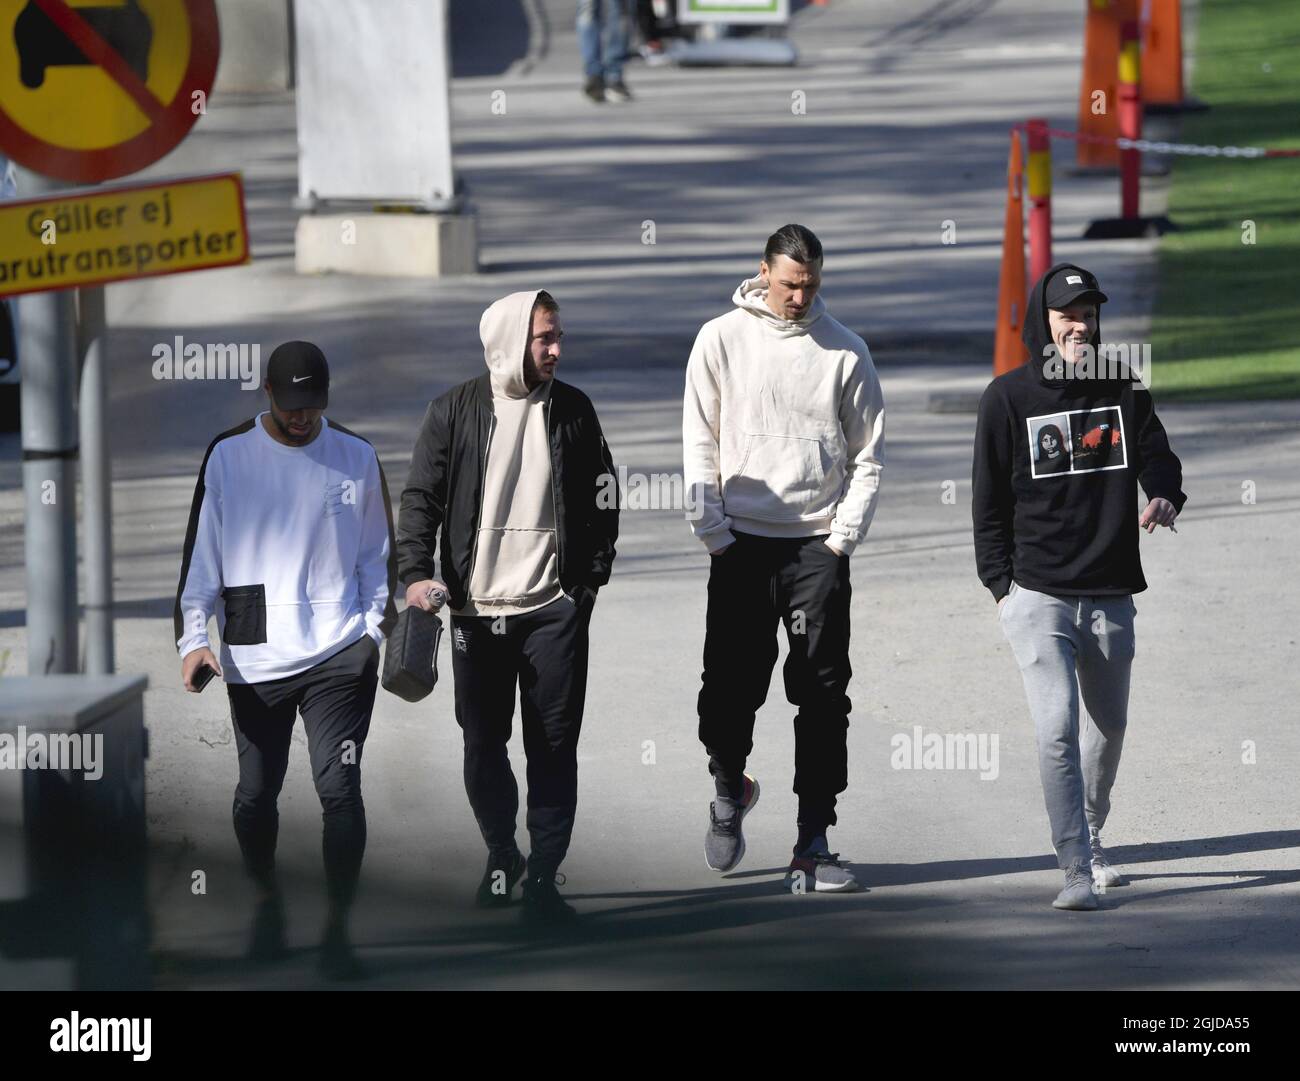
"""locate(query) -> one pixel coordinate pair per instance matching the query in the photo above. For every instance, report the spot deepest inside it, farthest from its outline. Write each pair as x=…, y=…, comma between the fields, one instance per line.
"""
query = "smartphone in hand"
x=203, y=676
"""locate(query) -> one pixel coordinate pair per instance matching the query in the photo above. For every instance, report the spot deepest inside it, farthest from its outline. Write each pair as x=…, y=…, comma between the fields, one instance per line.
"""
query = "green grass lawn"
x=1227, y=318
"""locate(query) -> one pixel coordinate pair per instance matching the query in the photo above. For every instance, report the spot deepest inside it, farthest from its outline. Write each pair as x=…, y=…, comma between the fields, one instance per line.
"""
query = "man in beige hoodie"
x=507, y=470
x=783, y=433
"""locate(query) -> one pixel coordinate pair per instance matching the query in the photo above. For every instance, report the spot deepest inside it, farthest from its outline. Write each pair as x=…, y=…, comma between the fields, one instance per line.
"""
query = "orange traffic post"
x=1098, y=90
x=1162, y=53
x=1008, y=351
x=1039, y=176
x=1130, y=222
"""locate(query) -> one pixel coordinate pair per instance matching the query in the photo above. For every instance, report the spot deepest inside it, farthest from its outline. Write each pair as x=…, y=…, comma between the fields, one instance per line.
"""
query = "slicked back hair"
x=795, y=242
x=546, y=302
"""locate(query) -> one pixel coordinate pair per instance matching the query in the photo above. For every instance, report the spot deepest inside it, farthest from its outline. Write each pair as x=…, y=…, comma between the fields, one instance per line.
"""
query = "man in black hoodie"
x=1060, y=446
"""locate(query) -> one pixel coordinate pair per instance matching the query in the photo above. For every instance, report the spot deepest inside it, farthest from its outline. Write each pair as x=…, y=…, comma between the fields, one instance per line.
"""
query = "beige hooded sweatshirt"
x=516, y=562
x=783, y=426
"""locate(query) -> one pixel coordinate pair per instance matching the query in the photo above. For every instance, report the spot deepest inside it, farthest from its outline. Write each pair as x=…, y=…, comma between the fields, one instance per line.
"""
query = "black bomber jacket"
x=444, y=489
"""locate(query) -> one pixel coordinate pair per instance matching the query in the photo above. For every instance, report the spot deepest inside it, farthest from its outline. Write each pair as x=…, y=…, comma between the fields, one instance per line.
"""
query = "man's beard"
x=284, y=430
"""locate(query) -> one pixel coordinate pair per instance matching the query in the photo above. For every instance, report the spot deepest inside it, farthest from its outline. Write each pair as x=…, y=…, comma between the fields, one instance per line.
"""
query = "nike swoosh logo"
x=300, y=378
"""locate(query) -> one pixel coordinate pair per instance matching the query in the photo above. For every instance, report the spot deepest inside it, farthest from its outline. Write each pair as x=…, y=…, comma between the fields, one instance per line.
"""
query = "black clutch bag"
x=411, y=660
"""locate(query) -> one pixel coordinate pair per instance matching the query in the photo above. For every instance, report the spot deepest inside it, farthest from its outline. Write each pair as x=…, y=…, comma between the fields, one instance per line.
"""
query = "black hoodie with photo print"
x=1067, y=527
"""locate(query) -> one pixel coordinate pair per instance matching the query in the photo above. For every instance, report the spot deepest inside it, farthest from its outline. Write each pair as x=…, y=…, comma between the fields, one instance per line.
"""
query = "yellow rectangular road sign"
x=95, y=235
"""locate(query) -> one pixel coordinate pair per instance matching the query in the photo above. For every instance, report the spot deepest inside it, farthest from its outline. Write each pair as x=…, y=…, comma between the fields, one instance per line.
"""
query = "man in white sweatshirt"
x=290, y=545
x=783, y=431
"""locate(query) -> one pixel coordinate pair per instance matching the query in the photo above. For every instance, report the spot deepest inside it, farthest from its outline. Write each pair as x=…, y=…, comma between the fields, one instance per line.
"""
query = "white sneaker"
x=1103, y=874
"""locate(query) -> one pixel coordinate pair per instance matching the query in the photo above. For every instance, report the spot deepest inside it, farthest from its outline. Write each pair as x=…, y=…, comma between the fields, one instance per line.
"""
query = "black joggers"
x=335, y=698
x=544, y=653
x=755, y=583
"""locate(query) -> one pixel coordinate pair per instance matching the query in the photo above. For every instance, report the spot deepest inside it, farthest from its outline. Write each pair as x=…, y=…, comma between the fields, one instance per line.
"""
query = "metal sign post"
x=96, y=482
x=148, y=68
x=47, y=348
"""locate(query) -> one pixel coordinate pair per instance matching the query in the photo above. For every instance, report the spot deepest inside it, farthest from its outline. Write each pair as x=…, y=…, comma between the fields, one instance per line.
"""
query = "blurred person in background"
x=654, y=22
x=602, y=35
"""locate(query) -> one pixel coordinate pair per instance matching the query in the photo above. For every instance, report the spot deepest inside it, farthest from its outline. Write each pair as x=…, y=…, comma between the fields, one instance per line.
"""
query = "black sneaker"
x=543, y=905
x=266, y=943
x=618, y=92
x=499, y=880
x=338, y=961
x=595, y=88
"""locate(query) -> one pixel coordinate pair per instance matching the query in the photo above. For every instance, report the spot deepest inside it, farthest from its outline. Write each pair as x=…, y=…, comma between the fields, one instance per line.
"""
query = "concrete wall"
x=256, y=46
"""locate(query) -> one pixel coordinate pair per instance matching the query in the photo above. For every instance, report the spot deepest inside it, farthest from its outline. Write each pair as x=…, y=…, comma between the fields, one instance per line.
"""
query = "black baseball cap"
x=299, y=376
x=1070, y=285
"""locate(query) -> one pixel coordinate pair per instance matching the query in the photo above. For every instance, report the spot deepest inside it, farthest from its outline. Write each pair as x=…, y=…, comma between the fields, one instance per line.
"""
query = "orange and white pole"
x=1039, y=177
x=1130, y=116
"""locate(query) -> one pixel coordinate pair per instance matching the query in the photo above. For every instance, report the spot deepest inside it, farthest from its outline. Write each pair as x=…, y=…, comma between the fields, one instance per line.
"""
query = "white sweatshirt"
x=291, y=549
x=783, y=426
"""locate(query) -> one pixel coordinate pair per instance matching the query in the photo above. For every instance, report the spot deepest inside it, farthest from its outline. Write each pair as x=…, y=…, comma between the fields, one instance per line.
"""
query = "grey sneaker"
x=818, y=869
x=724, y=844
x=1103, y=874
x=1077, y=895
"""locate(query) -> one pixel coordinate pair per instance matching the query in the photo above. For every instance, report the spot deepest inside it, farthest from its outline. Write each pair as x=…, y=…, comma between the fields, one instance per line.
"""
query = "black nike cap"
x=299, y=376
x=1070, y=285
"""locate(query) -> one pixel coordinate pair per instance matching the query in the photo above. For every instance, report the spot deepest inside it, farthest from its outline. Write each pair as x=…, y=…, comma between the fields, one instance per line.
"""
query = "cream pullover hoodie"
x=516, y=562
x=783, y=426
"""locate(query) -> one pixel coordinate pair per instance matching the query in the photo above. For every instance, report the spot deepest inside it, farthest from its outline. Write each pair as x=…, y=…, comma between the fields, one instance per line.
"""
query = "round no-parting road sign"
x=97, y=90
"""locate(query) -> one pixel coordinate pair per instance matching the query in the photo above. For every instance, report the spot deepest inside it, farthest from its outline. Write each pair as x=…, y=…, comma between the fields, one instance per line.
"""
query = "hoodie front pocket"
x=245, y=615
x=783, y=478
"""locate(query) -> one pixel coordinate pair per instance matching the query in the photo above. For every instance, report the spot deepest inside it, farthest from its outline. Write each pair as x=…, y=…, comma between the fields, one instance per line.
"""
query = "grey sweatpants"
x=1067, y=648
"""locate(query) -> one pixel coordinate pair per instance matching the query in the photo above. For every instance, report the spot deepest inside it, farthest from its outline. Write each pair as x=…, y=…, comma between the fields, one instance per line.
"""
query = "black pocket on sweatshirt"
x=245, y=615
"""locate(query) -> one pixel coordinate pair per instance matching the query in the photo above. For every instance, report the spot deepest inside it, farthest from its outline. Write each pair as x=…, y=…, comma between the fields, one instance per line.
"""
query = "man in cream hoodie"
x=783, y=431
x=507, y=469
